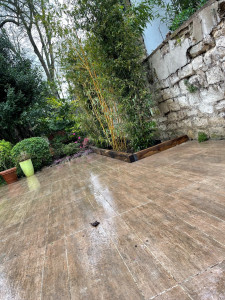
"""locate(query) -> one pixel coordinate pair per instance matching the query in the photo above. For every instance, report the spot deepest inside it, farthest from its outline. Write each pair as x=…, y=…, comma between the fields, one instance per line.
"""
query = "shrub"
x=58, y=151
x=202, y=137
x=71, y=149
x=5, y=158
x=38, y=149
x=5, y=155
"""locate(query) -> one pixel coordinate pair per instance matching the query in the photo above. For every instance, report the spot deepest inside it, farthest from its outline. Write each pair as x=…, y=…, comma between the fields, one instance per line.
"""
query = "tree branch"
x=8, y=21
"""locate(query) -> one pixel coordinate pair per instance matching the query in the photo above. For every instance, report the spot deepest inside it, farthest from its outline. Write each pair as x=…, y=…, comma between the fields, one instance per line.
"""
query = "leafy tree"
x=21, y=90
x=34, y=20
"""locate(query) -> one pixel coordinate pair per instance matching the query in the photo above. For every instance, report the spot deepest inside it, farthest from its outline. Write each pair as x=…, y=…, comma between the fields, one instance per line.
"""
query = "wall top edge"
x=182, y=27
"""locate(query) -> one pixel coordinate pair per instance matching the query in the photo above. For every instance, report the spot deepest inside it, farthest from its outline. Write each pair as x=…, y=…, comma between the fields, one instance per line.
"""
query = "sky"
x=156, y=32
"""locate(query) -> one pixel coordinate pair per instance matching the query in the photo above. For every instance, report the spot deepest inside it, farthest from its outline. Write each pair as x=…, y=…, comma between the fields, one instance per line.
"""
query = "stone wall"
x=186, y=75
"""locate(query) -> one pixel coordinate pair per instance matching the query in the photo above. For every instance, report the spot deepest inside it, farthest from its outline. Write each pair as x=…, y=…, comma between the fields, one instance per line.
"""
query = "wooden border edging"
x=127, y=157
x=161, y=147
x=130, y=158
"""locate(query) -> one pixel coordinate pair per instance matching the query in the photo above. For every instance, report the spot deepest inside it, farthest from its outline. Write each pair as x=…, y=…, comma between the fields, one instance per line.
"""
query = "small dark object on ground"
x=95, y=224
x=136, y=246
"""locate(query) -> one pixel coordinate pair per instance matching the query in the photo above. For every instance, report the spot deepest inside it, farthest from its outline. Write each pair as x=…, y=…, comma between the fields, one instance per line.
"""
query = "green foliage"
x=26, y=106
x=37, y=147
x=183, y=16
x=181, y=10
x=23, y=156
x=191, y=88
x=71, y=149
x=66, y=144
x=5, y=155
x=202, y=137
x=22, y=93
x=113, y=51
x=60, y=114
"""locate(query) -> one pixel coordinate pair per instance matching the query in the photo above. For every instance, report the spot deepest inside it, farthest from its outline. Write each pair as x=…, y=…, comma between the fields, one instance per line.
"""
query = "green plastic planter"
x=27, y=167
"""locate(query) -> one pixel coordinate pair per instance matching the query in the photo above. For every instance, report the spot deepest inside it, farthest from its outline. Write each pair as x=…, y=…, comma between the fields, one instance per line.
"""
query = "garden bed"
x=132, y=157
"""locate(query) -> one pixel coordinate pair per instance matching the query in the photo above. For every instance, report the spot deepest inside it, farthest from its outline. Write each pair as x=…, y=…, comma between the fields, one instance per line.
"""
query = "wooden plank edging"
x=161, y=147
x=130, y=158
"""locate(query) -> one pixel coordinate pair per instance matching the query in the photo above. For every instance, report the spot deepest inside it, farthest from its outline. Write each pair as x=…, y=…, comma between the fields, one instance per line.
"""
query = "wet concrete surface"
x=161, y=233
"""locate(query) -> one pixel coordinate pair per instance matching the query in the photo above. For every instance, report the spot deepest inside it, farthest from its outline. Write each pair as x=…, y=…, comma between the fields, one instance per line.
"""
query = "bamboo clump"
x=110, y=114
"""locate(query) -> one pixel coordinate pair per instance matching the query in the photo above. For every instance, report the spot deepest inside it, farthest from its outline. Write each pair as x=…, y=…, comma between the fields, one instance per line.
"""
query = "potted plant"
x=26, y=164
x=7, y=168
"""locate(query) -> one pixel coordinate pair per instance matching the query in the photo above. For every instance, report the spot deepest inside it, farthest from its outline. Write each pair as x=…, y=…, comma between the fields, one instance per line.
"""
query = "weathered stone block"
x=173, y=106
x=220, y=42
x=200, y=122
x=209, y=40
x=186, y=123
x=217, y=132
x=183, y=101
x=175, y=91
x=174, y=79
x=186, y=71
x=165, y=83
x=220, y=106
x=194, y=98
x=166, y=94
x=191, y=134
x=197, y=63
x=172, y=117
x=208, y=56
x=206, y=108
x=181, y=114
x=172, y=126
x=208, y=18
x=183, y=87
x=201, y=73
x=202, y=47
x=170, y=62
x=164, y=108
x=214, y=75
x=213, y=94
x=165, y=49
x=219, y=32
x=162, y=127
x=216, y=54
x=162, y=119
x=192, y=112
x=196, y=81
x=216, y=121
x=198, y=49
x=197, y=30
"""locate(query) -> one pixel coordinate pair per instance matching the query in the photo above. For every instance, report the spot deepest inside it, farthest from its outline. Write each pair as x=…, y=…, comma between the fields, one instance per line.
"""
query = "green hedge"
x=5, y=157
x=37, y=147
x=71, y=149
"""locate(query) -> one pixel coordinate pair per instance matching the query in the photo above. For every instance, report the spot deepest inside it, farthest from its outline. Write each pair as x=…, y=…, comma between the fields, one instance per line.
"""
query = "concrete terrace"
x=161, y=234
